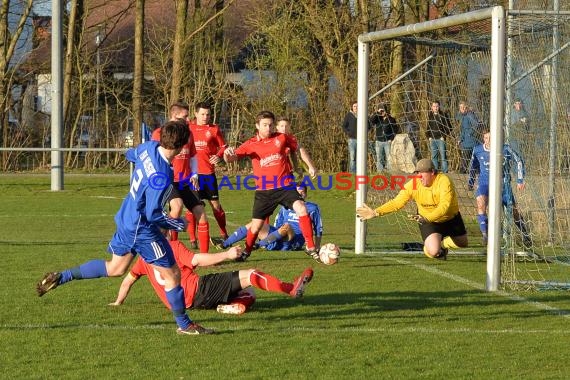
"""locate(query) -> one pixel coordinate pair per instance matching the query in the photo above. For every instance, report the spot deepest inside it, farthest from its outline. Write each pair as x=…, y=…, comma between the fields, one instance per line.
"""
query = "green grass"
x=377, y=315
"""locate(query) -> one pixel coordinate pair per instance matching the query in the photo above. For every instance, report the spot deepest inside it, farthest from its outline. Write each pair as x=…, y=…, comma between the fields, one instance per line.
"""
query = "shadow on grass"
x=353, y=304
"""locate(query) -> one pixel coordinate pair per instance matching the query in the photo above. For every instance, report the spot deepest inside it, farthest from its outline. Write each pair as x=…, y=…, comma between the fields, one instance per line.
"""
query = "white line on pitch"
x=249, y=328
x=476, y=285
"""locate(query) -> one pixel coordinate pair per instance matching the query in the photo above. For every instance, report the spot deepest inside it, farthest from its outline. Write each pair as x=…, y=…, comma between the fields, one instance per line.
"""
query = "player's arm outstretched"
x=207, y=259
x=306, y=157
x=124, y=289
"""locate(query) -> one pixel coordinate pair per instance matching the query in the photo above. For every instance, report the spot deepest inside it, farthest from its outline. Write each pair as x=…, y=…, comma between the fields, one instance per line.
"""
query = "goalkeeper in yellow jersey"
x=438, y=214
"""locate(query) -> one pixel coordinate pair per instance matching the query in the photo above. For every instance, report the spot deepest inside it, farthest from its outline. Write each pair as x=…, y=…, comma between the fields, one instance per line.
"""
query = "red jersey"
x=189, y=279
x=269, y=158
x=180, y=163
x=209, y=141
x=289, y=163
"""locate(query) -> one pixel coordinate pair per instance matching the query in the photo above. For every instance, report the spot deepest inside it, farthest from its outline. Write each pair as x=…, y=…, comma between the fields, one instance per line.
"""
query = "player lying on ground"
x=438, y=214
x=139, y=221
x=227, y=292
x=285, y=234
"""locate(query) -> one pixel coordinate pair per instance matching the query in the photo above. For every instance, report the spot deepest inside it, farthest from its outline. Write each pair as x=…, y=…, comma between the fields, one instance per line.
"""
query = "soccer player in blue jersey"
x=285, y=234
x=140, y=222
x=480, y=164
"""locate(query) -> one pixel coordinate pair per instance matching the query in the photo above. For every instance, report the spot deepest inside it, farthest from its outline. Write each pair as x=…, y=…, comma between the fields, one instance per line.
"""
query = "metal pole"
x=509, y=75
x=428, y=58
x=361, y=143
x=553, y=117
x=496, y=171
x=98, y=40
x=56, y=95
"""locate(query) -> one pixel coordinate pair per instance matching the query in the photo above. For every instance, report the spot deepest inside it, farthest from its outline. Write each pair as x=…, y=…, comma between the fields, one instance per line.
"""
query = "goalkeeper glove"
x=417, y=218
x=365, y=212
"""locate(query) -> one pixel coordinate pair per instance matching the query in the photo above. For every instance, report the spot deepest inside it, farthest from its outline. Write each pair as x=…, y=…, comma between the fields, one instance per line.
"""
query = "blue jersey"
x=142, y=213
x=289, y=216
x=481, y=164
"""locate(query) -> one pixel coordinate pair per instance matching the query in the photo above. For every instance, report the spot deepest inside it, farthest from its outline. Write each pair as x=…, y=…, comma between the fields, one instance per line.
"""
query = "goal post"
x=496, y=117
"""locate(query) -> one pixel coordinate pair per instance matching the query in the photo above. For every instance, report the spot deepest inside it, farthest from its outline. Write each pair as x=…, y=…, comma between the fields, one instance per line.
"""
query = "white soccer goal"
x=463, y=57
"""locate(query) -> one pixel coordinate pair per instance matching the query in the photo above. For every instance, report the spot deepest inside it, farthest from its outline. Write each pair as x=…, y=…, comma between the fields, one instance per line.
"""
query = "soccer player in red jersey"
x=225, y=291
x=210, y=146
x=274, y=183
x=284, y=126
x=185, y=179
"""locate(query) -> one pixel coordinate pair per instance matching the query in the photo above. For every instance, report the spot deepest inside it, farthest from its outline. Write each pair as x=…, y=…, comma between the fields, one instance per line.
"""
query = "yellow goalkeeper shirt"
x=437, y=203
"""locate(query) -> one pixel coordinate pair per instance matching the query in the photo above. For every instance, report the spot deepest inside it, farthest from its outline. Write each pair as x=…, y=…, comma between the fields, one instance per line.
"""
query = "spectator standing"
x=349, y=128
x=385, y=128
x=438, y=129
x=468, y=134
x=519, y=128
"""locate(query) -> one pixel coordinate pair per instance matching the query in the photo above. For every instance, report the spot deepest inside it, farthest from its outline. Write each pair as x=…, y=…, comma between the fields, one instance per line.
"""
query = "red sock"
x=220, y=216
x=250, y=241
x=307, y=230
x=204, y=236
x=267, y=282
x=173, y=235
x=191, y=225
x=244, y=298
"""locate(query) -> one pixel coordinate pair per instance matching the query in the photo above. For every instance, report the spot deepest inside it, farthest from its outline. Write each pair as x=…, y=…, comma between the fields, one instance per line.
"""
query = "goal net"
x=453, y=65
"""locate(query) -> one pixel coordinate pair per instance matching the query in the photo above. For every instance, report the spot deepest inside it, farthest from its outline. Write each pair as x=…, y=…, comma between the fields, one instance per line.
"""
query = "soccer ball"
x=329, y=254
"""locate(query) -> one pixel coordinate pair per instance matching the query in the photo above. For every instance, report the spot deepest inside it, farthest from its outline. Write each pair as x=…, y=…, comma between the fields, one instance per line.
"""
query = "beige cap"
x=424, y=165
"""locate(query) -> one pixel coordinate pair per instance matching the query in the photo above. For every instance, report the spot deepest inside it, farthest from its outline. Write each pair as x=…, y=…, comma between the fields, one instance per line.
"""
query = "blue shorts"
x=508, y=197
x=156, y=252
x=296, y=244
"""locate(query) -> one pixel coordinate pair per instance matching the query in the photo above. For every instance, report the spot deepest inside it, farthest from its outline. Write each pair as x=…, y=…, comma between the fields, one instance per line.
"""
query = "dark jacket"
x=385, y=126
x=438, y=126
x=349, y=125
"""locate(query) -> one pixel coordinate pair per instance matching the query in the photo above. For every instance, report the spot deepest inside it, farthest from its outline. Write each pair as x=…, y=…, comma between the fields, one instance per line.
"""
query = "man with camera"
x=385, y=128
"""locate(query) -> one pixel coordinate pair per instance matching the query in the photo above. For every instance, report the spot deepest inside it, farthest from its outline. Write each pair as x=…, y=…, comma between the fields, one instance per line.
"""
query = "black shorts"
x=453, y=227
x=266, y=201
x=189, y=197
x=215, y=289
x=208, y=186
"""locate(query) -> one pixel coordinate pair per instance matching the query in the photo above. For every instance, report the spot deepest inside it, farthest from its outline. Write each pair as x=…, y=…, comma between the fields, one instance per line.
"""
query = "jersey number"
x=137, y=179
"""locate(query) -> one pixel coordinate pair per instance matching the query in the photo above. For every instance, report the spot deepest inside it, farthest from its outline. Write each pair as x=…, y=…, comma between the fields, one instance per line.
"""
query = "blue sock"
x=482, y=220
x=91, y=269
x=274, y=236
x=239, y=234
x=175, y=298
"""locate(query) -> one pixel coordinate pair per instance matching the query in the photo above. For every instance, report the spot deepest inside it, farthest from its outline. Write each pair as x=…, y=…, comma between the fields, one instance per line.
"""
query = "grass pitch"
x=376, y=315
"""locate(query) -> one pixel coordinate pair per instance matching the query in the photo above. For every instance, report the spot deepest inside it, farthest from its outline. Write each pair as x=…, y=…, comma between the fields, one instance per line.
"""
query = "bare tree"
x=178, y=48
x=9, y=37
x=138, y=72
